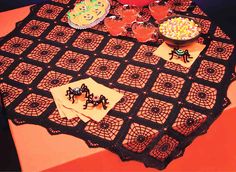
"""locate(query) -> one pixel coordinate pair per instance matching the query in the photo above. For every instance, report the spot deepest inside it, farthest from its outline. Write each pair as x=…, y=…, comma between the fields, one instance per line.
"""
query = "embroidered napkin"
x=194, y=50
x=71, y=110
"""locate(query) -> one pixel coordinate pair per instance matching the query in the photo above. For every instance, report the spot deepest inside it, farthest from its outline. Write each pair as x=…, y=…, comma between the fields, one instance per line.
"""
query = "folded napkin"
x=69, y=113
x=194, y=50
x=70, y=110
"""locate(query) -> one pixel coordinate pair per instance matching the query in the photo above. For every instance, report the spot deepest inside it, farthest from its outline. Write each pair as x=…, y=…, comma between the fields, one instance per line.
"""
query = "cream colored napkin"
x=194, y=50
x=69, y=110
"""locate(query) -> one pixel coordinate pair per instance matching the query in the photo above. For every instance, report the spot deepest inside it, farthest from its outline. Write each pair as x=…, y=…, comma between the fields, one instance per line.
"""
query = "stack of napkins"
x=70, y=110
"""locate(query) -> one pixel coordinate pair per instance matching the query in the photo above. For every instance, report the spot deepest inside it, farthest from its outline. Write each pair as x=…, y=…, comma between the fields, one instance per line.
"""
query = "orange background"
x=38, y=150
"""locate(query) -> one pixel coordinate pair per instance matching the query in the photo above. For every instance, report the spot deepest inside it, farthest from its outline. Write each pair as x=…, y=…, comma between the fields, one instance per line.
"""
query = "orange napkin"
x=194, y=50
x=69, y=110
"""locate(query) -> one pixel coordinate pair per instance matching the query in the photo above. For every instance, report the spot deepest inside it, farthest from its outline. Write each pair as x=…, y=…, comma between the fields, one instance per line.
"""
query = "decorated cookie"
x=99, y=12
x=73, y=18
x=80, y=7
x=87, y=18
x=100, y=4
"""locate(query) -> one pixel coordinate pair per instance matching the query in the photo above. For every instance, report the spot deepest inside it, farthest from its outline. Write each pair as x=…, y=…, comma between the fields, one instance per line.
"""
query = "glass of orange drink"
x=144, y=31
x=115, y=25
x=129, y=13
x=159, y=10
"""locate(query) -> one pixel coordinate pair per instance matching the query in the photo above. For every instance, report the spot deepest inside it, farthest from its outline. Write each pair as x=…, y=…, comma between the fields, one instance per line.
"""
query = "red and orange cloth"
x=70, y=110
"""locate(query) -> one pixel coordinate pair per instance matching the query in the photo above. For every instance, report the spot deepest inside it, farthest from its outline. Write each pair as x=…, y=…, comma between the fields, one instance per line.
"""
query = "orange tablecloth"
x=38, y=150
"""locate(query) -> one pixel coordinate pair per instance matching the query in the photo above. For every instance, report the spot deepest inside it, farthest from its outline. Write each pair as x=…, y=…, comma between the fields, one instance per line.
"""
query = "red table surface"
x=38, y=150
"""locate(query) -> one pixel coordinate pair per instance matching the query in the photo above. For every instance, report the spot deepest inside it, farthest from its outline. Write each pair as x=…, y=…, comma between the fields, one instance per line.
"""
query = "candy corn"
x=179, y=28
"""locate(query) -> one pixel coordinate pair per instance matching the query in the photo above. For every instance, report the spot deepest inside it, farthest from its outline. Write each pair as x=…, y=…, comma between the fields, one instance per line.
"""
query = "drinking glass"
x=115, y=25
x=159, y=10
x=129, y=13
x=143, y=31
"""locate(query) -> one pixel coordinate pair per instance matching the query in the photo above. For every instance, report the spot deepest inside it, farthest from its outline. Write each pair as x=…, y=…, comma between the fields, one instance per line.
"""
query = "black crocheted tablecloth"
x=165, y=105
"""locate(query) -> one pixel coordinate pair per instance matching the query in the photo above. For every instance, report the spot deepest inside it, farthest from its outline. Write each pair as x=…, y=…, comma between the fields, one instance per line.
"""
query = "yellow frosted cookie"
x=81, y=7
x=75, y=19
x=101, y=4
x=99, y=12
x=88, y=2
x=87, y=18
x=72, y=14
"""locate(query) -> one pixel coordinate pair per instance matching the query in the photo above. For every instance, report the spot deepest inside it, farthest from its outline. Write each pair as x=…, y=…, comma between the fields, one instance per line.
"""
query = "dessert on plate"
x=88, y=13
